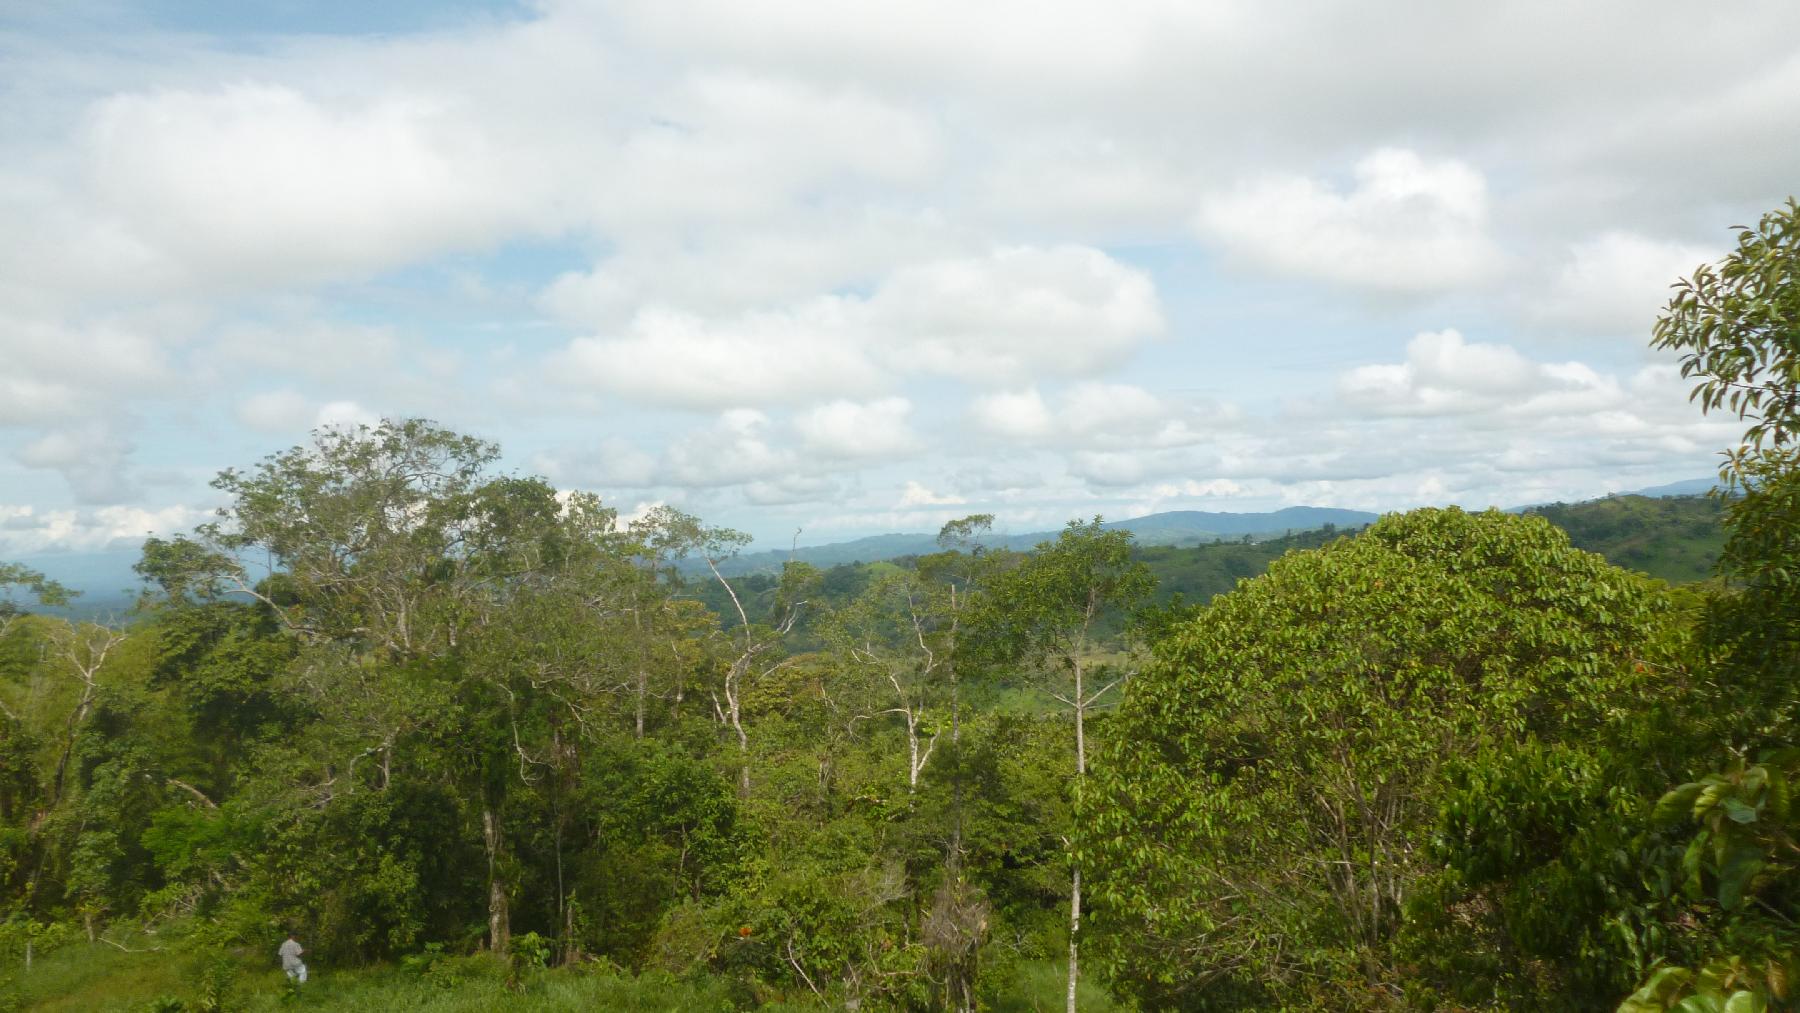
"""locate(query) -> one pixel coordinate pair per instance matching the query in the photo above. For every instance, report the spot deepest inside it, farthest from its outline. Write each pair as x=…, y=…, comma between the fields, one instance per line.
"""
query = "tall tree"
x=756, y=648
x=893, y=638
x=390, y=552
x=1046, y=612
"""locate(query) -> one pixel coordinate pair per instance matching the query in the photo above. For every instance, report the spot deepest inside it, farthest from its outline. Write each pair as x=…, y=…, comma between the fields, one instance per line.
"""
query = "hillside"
x=1174, y=527
x=1677, y=538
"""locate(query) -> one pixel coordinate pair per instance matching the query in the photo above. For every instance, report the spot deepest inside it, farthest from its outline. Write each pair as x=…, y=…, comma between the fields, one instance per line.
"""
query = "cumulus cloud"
x=1013, y=313
x=681, y=359
x=806, y=252
x=1445, y=375
x=91, y=458
x=60, y=369
x=275, y=411
x=263, y=182
x=1016, y=313
x=1405, y=225
x=916, y=495
x=790, y=489
x=26, y=529
x=734, y=147
x=1021, y=415
x=344, y=415
x=849, y=429
x=1614, y=283
x=738, y=448
x=1092, y=414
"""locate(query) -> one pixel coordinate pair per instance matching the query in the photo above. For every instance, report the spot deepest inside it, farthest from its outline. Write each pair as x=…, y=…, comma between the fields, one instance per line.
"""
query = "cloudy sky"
x=847, y=267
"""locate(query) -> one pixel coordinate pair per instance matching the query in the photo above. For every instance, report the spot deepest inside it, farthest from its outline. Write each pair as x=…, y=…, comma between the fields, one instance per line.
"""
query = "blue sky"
x=850, y=269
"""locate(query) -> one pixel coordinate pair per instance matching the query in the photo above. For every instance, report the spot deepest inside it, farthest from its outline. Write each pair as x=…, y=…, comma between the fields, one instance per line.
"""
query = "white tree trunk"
x=1074, y=929
x=499, y=920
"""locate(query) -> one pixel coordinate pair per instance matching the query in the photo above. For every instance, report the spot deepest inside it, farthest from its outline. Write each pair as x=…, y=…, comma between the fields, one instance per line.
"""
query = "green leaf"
x=1741, y=866
x=1738, y=810
x=1676, y=805
x=1664, y=984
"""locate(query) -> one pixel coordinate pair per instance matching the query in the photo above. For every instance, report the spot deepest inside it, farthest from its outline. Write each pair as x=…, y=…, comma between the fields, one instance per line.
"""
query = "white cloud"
x=717, y=146
x=26, y=400
x=609, y=463
x=1614, y=283
x=790, y=489
x=1014, y=313
x=261, y=182
x=1446, y=375
x=26, y=529
x=916, y=495
x=1216, y=487
x=1092, y=414
x=1407, y=225
x=807, y=252
x=736, y=449
x=1020, y=415
x=275, y=411
x=91, y=458
x=344, y=415
x=53, y=370
x=674, y=358
x=849, y=429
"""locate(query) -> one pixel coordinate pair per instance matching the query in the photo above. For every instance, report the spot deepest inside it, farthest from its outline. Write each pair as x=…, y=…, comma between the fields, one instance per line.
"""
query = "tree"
x=891, y=637
x=15, y=578
x=1737, y=325
x=392, y=552
x=755, y=647
x=1262, y=811
x=1045, y=611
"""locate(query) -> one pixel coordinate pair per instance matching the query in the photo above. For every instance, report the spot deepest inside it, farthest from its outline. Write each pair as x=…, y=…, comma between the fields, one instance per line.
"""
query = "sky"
x=821, y=270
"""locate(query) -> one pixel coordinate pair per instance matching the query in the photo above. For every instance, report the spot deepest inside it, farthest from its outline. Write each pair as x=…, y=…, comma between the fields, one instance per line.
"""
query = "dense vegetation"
x=479, y=743
x=1676, y=538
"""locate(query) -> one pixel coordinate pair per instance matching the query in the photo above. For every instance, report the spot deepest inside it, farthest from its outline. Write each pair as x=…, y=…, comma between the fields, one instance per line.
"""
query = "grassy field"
x=99, y=978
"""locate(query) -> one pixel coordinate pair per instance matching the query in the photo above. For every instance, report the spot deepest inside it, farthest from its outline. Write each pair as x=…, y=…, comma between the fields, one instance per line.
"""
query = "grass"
x=84, y=977
x=102, y=979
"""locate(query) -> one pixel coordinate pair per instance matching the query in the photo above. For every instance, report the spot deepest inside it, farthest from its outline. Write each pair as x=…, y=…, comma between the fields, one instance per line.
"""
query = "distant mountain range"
x=1174, y=527
x=107, y=582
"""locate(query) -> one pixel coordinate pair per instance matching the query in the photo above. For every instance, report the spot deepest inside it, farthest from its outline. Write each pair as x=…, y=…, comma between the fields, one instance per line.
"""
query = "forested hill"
x=1676, y=539
x=1668, y=531
x=1174, y=527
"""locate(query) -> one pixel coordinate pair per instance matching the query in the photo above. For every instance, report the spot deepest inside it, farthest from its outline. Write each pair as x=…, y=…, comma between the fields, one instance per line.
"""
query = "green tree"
x=1737, y=325
x=1263, y=809
x=395, y=555
x=1046, y=612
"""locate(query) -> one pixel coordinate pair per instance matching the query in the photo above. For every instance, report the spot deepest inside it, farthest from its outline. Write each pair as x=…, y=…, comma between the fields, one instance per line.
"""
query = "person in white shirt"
x=290, y=959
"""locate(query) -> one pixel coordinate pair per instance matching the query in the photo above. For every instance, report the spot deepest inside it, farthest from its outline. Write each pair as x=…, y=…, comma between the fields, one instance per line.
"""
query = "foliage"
x=1737, y=325
x=1676, y=538
x=1264, y=803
